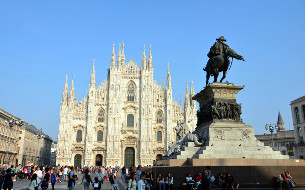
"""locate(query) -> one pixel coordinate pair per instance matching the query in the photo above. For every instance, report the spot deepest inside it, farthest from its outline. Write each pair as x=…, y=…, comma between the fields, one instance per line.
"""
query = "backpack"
x=88, y=178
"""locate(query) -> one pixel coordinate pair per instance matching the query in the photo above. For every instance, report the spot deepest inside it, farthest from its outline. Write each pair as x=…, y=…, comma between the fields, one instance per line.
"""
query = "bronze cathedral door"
x=77, y=160
x=129, y=157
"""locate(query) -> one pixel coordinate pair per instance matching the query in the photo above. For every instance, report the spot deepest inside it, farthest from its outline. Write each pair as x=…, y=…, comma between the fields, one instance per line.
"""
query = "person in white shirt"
x=141, y=182
x=66, y=173
x=39, y=175
x=99, y=175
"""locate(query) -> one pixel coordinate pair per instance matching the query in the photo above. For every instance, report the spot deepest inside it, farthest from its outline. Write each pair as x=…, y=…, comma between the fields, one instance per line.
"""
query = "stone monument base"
x=221, y=130
x=229, y=140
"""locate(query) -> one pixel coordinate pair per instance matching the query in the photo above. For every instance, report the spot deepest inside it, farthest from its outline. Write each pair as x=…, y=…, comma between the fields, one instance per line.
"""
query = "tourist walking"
x=60, y=174
x=39, y=175
x=132, y=184
x=66, y=169
x=87, y=179
x=139, y=172
x=141, y=182
x=96, y=184
x=46, y=179
x=72, y=178
x=123, y=173
x=53, y=178
x=148, y=179
x=33, y=183
x=8, y=183
x=100, y=177
x=2, y=173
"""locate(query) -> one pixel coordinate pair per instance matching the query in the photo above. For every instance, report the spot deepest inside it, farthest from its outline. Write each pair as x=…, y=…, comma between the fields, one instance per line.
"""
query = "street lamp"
x=11, y=123
x=39, y=136
x=271, y=129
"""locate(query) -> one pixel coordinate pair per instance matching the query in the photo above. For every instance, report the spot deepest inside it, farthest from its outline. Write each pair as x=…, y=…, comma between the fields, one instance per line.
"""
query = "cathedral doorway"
x=98, y=160
x=77, y=160
x=129, y=157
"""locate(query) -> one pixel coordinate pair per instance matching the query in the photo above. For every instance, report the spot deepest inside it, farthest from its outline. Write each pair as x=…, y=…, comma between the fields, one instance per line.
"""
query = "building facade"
x=22, y=143
x=282, y=140
x=34, y=146
x=298, y=117
x=9, y=131
x=129, y=119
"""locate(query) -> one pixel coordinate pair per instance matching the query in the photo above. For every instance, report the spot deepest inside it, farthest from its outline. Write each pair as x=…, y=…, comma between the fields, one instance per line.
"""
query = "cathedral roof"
x=298, y=99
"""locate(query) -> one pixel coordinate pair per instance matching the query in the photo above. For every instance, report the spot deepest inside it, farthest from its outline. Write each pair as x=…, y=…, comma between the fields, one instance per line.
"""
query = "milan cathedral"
x=129, y=119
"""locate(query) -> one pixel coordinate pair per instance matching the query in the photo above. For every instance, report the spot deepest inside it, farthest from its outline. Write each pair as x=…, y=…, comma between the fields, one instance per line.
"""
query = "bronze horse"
x=220, y=63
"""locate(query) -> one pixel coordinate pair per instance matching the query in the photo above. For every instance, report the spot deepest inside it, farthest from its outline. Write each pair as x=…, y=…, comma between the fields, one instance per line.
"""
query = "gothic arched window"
x=100, y=135
x=79, y=136
x=101, y=115
x=131, y=92
x=130, y=120
x=159, y=136
x=159, y=116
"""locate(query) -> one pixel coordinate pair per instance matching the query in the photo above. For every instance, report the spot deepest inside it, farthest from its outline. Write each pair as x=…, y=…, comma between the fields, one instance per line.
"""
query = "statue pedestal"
x=220, y=127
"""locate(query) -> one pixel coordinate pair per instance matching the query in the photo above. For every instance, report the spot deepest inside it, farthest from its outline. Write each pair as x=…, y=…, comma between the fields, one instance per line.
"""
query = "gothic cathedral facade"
x=129, y=119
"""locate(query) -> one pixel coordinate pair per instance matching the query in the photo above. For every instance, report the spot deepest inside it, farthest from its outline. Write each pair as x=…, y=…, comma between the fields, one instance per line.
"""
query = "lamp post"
x=39, y=136
x=271, y=129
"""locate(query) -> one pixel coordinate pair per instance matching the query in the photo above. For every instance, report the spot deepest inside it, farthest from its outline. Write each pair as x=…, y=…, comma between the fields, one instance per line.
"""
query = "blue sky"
x=42, y=41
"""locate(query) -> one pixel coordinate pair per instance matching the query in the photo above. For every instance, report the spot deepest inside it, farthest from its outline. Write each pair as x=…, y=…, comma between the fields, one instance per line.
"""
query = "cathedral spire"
x=144, y=59
x=280, y=123
x=119, y=57
x=72, y=93
x=92, y=81
x=192, y=93
x=123, y=55
x=169, y=80
x=187, y=100
x=112, y=58
x=65, y=93
x=150, y=58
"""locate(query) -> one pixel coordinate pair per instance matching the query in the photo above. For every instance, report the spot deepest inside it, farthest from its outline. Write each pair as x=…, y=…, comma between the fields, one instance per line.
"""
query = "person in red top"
x=198, y=177
x=25, y=172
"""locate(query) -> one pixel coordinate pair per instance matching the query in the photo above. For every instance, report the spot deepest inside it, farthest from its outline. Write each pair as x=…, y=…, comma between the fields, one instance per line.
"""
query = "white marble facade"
x=129, y=119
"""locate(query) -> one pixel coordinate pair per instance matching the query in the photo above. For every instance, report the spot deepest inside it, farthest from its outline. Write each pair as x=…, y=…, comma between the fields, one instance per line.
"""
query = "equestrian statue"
x=219, y=59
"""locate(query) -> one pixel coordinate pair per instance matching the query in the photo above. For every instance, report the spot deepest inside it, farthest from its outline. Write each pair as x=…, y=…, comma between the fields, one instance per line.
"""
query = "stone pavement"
x=21, y=185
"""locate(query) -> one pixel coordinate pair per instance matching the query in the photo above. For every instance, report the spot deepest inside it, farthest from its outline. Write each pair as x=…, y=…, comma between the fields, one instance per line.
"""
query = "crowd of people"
x=46, y=177
x=139, y=178
x=205, y=181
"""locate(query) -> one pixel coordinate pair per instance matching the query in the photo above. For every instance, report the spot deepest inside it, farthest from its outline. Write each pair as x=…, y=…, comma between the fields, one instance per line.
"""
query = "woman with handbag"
x=46, y=180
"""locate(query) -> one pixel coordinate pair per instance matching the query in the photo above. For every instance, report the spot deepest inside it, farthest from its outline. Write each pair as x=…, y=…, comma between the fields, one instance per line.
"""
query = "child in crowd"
x=96, y=184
